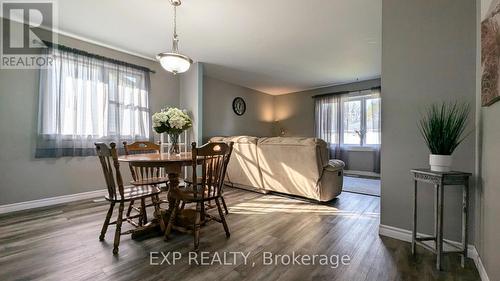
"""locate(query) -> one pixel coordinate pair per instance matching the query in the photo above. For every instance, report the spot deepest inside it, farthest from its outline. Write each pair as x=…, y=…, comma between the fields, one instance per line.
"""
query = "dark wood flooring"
x=61, y=243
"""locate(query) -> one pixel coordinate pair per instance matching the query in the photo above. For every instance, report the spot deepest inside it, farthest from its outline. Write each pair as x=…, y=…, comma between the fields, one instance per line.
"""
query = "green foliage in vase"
x=443, y=126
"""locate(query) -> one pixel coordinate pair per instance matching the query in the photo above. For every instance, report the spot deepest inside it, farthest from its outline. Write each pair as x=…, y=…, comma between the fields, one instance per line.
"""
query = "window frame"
x=363, y=121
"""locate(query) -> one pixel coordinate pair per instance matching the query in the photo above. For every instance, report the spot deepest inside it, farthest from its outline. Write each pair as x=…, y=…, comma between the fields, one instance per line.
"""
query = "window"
x=361, y=117
x=352, y=120
x=349, y=120
x=372, y=120
x=84, y=99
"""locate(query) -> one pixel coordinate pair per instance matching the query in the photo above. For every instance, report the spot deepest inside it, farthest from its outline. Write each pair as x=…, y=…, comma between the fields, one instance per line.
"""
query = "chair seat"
x=135, y=192
x=188, y=194
x=189, y=180
x=150, y=181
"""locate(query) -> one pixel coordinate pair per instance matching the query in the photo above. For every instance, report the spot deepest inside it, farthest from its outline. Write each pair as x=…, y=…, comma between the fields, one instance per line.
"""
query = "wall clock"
x=239, y=106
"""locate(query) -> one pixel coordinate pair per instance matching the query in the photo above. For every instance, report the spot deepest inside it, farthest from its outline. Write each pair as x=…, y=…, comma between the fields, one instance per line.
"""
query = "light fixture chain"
x=175, y=41
x=175, y=21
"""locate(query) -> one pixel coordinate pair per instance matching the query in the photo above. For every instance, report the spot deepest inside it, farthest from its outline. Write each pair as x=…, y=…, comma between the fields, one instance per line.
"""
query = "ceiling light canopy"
x=174, y=61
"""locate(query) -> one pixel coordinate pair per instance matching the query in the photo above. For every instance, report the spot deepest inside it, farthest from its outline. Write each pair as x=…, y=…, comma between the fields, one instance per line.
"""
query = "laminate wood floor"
x=61, y=243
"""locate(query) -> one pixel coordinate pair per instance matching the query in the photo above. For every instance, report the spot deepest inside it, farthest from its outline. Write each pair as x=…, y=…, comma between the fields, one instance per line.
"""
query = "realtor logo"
x=25, y=25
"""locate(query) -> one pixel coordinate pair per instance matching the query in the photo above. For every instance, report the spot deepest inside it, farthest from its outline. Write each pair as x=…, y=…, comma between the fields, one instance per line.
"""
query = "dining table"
x=172, y=165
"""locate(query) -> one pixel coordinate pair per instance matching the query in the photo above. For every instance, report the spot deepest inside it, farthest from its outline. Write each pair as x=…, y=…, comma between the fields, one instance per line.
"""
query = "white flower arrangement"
x=171, y=121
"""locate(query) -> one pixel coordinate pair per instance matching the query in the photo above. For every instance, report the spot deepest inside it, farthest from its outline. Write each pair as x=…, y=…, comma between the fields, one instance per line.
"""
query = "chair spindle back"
x=143, y=172
x=109, y=161
x=213, y=158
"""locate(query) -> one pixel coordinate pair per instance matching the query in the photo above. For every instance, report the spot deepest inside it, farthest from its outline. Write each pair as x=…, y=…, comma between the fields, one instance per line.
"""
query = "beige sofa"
x=297, y=166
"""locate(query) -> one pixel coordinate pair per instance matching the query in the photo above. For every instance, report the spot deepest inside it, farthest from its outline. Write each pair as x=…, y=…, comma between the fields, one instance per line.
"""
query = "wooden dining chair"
x=119, y=194
x=213, y=158
x=188, y=181
x=144, y=175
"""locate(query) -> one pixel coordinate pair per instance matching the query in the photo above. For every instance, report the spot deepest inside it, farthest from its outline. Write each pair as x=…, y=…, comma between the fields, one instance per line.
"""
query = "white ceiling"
x=274, y=46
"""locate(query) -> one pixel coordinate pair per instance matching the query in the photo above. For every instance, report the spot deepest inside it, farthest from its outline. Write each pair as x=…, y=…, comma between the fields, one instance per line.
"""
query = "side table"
x=440, y=180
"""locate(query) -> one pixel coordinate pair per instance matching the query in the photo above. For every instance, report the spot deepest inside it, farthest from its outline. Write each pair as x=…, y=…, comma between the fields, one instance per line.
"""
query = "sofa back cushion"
x=291, y=165
x=243, y=167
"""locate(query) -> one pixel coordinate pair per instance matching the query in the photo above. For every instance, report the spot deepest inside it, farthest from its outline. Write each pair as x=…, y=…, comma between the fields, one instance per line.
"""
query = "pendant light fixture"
x=174, y=61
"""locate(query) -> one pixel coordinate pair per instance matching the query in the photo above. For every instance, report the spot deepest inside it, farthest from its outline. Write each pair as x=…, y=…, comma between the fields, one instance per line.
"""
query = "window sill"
x=360, y=148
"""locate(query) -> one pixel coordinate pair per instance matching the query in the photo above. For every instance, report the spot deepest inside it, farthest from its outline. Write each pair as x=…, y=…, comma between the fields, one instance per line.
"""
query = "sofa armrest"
x=335, y=165
x=332, y=180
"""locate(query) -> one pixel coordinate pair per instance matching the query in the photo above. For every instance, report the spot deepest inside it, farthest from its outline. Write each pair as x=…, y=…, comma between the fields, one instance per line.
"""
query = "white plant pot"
x=440, y=163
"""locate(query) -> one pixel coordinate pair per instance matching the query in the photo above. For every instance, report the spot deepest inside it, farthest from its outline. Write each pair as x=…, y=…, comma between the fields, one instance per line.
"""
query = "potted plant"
x=443, y=127
x=172, y=121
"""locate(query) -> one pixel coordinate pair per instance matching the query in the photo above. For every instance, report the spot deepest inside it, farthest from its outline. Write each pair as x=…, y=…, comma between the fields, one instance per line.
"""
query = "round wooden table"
x=173, y=166
x=171, y=163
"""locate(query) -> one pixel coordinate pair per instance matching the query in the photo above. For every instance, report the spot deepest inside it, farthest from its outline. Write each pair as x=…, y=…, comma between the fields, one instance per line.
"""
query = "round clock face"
x=239, y=106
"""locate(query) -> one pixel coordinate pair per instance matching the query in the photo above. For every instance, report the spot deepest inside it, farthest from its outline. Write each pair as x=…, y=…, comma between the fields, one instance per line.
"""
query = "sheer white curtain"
x=374, y=125
x=328, y=124
x=83, y=99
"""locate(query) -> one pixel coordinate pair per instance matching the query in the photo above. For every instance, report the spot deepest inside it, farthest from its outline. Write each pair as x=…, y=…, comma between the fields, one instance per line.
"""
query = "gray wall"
x=490, y=196
x=191, y=99
x=428, y=56
x=219, y=118
x=360, y=160
x=295, y=111
x=490, y=227
x=25, y=178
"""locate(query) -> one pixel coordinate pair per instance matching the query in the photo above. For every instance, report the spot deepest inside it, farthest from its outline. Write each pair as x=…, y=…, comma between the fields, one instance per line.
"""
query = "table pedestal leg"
x=173, y=183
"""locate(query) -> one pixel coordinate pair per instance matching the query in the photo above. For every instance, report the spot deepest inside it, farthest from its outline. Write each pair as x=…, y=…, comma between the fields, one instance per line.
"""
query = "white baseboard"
x=51, y=201
x=480, y=267
x=405, y=235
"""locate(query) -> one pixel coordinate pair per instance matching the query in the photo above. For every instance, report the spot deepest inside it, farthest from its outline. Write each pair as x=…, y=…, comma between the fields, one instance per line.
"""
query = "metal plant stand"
x=440, y=180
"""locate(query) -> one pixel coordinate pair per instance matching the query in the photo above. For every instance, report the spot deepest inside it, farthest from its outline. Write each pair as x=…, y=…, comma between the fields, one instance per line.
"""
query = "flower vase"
x=174, y=144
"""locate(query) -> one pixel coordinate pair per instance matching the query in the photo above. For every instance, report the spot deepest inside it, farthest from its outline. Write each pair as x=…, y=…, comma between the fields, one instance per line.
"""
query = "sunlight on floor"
x=275, y=204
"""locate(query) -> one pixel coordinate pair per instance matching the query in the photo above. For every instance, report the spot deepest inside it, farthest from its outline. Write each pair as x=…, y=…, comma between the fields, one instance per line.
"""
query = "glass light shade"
x=173, y=62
